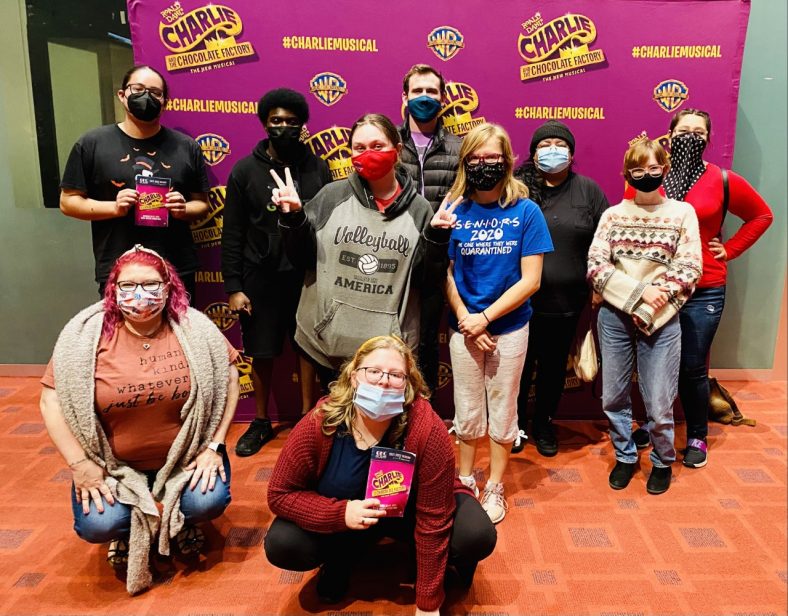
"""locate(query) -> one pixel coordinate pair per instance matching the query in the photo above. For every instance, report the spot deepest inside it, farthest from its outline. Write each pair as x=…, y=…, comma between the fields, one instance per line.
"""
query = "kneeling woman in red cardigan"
x=318, y=485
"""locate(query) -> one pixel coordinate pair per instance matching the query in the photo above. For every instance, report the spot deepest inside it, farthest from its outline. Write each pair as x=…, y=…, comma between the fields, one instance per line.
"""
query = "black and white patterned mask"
x=686, y=164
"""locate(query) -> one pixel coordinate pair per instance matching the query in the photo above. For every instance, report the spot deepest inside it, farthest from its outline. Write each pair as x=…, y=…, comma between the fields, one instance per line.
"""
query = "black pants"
x=473, y=537
x=429, y=358
x=549, y=342
x=189, y=281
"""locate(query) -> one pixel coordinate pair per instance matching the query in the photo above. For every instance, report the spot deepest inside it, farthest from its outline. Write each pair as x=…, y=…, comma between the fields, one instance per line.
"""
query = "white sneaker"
x=519, y=441
x=470, y=482
x=494, y=502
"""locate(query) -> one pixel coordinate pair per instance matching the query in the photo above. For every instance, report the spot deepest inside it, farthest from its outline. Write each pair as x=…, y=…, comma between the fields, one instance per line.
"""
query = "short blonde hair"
x=338, y=408
x=513, y=189
x=639, y=152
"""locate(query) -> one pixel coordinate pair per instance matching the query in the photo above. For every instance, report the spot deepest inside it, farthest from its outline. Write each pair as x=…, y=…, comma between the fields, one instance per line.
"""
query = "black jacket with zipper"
x=250, y=235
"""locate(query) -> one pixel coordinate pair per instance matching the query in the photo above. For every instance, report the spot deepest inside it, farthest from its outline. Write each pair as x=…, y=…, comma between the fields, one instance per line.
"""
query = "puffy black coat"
x=440, y=163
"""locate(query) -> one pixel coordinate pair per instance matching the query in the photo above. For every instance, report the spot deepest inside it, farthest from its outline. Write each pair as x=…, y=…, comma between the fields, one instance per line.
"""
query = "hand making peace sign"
x=285, y=196
x=444, y=217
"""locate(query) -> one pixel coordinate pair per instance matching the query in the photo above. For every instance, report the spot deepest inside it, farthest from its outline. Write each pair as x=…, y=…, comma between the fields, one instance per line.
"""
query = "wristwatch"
x=219, y=448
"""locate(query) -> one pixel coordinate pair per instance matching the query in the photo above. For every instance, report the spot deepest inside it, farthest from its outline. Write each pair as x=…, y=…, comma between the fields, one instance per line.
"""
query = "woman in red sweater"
x=700, y=183
x=317, y=489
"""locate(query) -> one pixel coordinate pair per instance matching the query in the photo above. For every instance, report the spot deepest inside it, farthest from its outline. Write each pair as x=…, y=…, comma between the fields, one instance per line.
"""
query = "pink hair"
x=177, y=298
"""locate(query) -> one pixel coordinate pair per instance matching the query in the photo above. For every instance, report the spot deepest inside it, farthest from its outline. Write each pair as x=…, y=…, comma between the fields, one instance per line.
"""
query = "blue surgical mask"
x=423, y=108
x=552, y=159
x=379, y=403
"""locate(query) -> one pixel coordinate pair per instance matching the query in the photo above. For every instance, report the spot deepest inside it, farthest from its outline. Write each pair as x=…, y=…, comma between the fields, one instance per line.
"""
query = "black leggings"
x=473, y=537
x=549, y=342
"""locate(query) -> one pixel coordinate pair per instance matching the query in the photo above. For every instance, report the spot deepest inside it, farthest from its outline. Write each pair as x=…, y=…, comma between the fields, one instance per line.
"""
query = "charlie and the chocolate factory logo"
x=203, y=38
x=557, y=48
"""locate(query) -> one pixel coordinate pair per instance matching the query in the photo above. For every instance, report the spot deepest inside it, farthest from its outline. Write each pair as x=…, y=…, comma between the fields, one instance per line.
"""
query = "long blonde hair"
x=513, y=189
x=338, y=409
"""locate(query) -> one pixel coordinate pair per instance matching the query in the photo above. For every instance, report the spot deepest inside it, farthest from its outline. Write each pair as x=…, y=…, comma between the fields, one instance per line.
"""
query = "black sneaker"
x=333, y=581
x=642, y=438
x=519, y=441
x=257, y=434
x=546, y=441
x=659, y=480
x=695, y=453
x=621, y=475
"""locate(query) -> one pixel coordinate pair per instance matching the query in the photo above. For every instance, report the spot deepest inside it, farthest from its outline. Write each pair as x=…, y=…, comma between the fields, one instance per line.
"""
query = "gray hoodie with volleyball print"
x=365, y=270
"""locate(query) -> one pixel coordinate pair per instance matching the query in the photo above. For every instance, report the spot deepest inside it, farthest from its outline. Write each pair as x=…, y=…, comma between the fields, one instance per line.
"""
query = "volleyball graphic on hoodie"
x=368, y=264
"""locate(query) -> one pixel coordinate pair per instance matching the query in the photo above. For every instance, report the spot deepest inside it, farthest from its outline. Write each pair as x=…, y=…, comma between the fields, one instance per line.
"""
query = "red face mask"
x=374, y=164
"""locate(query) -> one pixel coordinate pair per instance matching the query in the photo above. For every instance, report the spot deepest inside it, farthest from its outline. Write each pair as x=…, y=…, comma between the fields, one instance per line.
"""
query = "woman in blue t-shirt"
x=495, y=257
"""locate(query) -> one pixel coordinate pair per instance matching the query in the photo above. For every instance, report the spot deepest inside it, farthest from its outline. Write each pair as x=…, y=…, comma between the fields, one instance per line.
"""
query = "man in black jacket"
x=430, y=156
x=263, y=286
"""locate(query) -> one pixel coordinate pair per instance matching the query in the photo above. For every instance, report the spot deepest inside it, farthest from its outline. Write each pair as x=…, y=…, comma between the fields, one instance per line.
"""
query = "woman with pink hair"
x=138, y=398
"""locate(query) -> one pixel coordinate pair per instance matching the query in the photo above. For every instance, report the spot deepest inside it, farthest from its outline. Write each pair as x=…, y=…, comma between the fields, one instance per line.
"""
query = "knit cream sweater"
x=74, y=361
x=638, y=245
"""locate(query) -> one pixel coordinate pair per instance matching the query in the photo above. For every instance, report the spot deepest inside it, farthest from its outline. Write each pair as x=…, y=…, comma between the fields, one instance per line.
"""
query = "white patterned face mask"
x=140, y=304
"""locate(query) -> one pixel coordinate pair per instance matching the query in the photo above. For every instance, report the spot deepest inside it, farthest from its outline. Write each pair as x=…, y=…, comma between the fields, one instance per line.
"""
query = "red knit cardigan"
x=292, y=491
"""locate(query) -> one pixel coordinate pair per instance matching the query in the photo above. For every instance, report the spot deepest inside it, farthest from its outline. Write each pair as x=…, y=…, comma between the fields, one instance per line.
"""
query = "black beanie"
x=556, y=129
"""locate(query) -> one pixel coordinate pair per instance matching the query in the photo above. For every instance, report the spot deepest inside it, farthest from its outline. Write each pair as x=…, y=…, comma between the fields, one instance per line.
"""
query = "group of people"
x=141, y=388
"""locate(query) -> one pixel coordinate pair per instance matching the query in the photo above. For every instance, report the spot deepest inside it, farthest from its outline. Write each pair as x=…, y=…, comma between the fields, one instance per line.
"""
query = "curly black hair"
x=529, y=175
x=285, y=98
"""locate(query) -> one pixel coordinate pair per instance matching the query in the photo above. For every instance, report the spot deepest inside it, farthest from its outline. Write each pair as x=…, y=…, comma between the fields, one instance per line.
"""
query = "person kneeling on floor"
x=146, y=449
x=319, y=487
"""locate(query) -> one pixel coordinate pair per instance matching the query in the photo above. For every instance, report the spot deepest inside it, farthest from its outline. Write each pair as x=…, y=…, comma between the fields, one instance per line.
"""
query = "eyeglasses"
x=375, y=376
x=138, y=88
x=487, y=159
x=654, y=171
x=151, y=286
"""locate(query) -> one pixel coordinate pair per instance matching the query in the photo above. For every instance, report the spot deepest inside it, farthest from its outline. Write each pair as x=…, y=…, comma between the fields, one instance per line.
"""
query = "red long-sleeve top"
x=706, y=196
x=743, y=201
x=292, y=491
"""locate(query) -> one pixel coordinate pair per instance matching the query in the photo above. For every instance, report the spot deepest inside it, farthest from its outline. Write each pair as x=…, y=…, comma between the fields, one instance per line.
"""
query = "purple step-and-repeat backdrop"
x=610, y=69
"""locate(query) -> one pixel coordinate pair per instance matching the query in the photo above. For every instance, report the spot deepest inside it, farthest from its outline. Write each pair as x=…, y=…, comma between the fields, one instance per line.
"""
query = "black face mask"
x=285, y=140
x=646, y=184
x=143, y=106
x=484, y=176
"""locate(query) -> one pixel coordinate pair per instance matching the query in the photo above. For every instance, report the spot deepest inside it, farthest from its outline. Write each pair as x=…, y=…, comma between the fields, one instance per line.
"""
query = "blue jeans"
x=699, y=317
x=115, y=522
x=658, y=357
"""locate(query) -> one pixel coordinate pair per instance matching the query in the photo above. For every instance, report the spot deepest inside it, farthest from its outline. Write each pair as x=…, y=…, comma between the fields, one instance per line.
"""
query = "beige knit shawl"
x=74, y=360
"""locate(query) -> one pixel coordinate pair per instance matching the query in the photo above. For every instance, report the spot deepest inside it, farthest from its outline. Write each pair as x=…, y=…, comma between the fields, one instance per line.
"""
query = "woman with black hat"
x=572, y=205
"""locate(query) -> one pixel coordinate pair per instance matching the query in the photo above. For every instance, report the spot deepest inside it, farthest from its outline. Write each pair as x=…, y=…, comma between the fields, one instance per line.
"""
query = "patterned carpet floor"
x=715, y=543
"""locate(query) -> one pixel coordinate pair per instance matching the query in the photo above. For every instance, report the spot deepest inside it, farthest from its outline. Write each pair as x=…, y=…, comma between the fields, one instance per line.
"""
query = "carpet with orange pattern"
x=715, y=543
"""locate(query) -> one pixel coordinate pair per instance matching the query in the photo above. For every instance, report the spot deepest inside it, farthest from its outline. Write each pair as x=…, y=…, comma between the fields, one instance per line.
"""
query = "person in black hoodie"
x=263, y=285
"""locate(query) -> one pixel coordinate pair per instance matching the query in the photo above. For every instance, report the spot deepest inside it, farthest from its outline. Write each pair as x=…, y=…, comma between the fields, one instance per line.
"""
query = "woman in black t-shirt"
x=572, y=205
x=101, y=178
